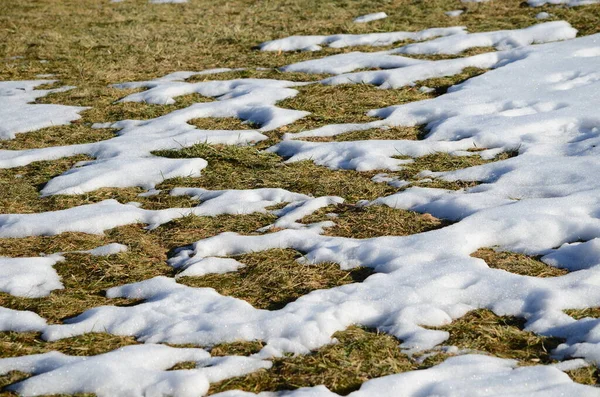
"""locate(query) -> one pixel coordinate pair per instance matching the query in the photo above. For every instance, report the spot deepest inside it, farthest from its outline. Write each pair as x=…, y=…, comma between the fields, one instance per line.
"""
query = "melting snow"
x=370, y=17
x=468, y=375
x=126, y=160
x=29, y=277
x=540, y=101
x=19, y=115
x=139, y=370
x=98, y=217
x=312, y=43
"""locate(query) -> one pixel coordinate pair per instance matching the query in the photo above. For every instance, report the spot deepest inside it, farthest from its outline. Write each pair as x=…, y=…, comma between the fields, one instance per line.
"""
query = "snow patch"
x=129, y=371
x=370, y=17
x=19, y=114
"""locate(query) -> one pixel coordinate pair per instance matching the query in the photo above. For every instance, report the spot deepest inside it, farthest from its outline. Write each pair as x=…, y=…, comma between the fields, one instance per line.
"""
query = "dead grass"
x=375, y=221
x=517, y=263
x=271, y=279
x=578, y=314
x=483, y=331
x=363, y=354
x=359, y=356
x=234, y=167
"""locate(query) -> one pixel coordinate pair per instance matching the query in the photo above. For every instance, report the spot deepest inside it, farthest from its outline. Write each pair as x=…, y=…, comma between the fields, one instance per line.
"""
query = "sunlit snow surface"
x=18, y=114
x=540, y=101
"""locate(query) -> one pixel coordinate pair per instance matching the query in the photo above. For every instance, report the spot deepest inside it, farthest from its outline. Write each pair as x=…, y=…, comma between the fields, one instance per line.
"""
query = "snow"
x=122, y=172
x=20, y=321
x=211, y=265
x=98, y=217
x=454, y=13
x=540, y=113
x=542, y=15
x=406, y=71
x=467, y=375
x=501, y=39
x=294, y=43
x=138, y=370
x=29, y=277
x=344, y=63
x=126, y=160
x=569, y=3
x=370, y=17
x=19, y=115
x=109, y=249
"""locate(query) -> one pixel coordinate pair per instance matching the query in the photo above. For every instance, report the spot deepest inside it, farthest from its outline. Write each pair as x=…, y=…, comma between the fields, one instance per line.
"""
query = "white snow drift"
x=19, y=114
x=314, y=43
x=126, y=160
x=139, y=370
x=98, y=217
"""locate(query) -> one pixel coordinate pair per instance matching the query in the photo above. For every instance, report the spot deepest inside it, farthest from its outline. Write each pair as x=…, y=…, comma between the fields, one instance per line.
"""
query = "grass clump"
x=517, y=263
x=500, y=336
x=375, y=221
x=359, y=355
x=271, y=279
x=234, y=167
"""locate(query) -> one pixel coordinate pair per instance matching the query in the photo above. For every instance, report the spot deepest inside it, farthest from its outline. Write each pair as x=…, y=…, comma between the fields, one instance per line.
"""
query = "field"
x=94, y=44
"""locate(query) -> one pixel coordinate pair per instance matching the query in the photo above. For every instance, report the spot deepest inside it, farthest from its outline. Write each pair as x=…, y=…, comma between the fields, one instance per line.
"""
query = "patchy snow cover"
x=29, y=277
x=122, y=171
x=370, y=17
x=252, y=100
x=501, y=39
x=20, y=321
x=98, y=217
x=19, y=114
x=138, y=370
x=312, y=43
x=345, y=63
x=468, y=375
x=422, y=282
x=539, y=113
x=570, y=3
x=428, y=279
x=407, y=71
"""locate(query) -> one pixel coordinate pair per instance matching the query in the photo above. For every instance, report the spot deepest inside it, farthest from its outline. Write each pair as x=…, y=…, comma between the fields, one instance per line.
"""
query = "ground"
x=91, y=44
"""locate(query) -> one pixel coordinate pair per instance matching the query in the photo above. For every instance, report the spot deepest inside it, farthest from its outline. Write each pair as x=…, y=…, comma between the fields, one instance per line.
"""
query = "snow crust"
x=29, y=277
x=370, y=17
x=20, y=321
x=469, y=375
x=98, y=217
x=569, y=3
x=126, y=160
x=406, y=71
x=19, y=114
x=138, y=370
x=313, y=43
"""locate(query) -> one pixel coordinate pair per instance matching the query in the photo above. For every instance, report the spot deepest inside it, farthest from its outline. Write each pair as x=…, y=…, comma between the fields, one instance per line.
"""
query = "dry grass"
x=359, y=355
x=271, y=279
x=483, y=331
x=517, y=263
